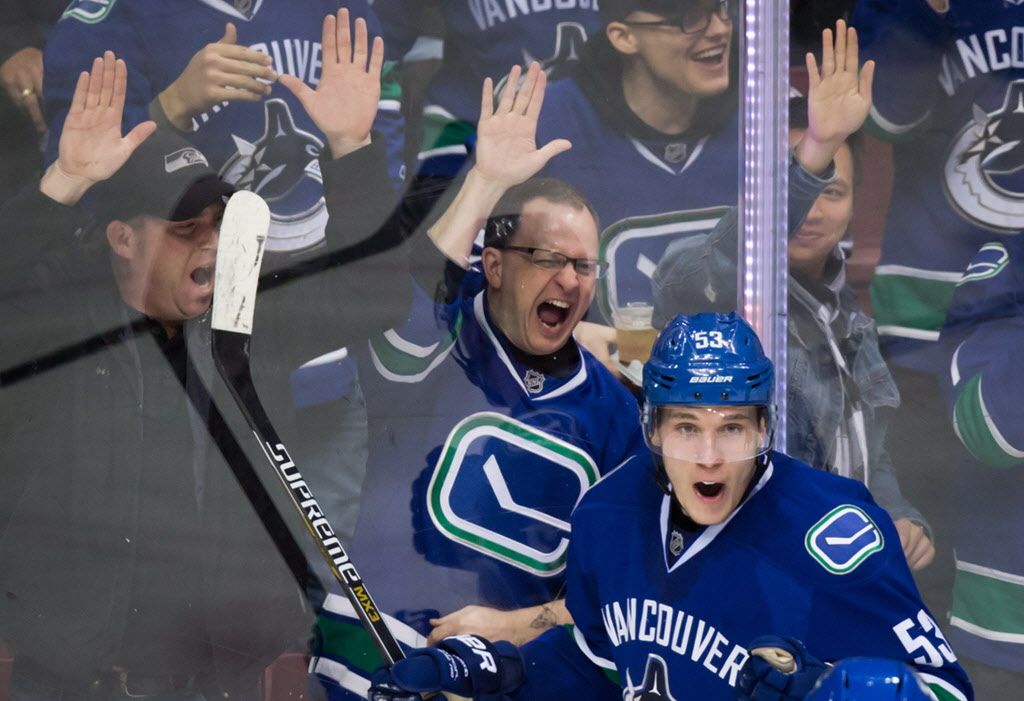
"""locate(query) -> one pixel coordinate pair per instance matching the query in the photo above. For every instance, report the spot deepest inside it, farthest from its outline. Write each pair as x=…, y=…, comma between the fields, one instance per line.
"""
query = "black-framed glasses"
x=695, y=17
x=553, y=260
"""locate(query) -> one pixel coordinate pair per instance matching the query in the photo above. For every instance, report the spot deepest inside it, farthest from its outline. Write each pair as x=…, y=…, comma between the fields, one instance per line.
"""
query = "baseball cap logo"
x=183, y=158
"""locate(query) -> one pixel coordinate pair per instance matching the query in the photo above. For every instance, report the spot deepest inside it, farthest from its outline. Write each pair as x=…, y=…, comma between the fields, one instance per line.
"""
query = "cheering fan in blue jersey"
x=651, y=111
x=488, y=421
x=983, y=383
x=210, y=70
x=681, y=560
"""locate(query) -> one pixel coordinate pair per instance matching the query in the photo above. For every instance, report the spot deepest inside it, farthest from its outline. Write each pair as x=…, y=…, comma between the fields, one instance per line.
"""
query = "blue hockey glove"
x=466, y=665
x=778, y=669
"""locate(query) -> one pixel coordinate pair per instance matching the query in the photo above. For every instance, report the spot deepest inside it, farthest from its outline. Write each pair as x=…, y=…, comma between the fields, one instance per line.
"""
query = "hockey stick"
x=243, y=233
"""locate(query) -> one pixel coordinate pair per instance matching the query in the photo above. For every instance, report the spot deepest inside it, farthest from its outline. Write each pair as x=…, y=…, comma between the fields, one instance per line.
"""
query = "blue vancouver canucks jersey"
x=984, y=383
x=483, y=38
x=647, y=193
x=269, y=147
x=668, y=611
x=476, y=464
x=949, y=92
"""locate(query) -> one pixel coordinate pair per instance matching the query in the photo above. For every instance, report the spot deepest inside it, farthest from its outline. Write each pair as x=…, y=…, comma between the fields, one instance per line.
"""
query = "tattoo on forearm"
x=545, y=619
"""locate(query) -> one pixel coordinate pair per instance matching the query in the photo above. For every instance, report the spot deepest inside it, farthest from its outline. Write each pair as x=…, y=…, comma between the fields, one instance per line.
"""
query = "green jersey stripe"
x=976, y=430
x=988, y=607
x=910, y=302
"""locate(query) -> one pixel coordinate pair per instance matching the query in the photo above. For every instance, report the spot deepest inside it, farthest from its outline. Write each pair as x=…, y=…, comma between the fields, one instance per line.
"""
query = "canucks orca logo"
x=507, y=489
x=569, y=40
x=281, y=167
x=654, y=687
x=243, y=9
x=984, y=174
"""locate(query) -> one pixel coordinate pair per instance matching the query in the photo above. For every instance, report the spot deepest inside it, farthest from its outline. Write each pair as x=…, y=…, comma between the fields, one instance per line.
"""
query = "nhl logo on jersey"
x=843, y=539
x=534, y=381
x=675, y=543
x=676, y=153
x=654, y=687
x=982, y=173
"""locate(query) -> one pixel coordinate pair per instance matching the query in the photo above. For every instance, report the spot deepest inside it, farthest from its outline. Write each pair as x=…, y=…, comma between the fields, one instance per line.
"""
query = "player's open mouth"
x=712, y=56
x=553, y=312
x=709, y=490
x=202, y=275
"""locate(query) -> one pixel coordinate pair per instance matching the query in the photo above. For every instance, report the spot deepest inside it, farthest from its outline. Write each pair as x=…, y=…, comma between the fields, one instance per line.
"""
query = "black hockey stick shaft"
x=231, y=354
x=257, y=495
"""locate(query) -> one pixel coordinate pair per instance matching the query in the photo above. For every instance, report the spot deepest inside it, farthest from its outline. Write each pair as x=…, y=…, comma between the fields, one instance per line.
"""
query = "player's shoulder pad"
x=90, y=11
x=843, y=530
x=630, y=486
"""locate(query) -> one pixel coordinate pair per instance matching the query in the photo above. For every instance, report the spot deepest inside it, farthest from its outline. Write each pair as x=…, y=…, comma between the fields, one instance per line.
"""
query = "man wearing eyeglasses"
x=487, y=421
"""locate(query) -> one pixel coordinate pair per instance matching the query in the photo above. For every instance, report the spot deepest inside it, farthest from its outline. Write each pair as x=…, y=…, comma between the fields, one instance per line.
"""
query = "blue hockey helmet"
x=709, y=360
x=869, y=679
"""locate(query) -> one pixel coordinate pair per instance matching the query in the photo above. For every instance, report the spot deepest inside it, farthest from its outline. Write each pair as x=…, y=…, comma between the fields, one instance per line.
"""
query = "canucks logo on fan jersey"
x=984, y=155
x=506, y=489
x=634, y=246
x=275, y=167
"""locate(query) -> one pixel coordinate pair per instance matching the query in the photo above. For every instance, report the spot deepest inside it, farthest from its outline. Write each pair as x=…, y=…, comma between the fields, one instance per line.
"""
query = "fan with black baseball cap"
x=133, y=564
x=160, y=213
x=153, y=196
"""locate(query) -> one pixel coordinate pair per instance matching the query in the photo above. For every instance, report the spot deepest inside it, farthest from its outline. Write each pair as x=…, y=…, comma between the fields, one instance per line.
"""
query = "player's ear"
x=621, y=37
x=491, y=261
x=122, y=239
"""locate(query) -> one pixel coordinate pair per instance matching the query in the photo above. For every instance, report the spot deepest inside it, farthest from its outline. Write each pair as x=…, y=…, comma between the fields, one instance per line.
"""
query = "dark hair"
x=798, y=120
x=503, y=223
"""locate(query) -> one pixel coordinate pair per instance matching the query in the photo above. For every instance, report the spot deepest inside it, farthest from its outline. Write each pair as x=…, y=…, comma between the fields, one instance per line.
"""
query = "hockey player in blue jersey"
x=682, y=560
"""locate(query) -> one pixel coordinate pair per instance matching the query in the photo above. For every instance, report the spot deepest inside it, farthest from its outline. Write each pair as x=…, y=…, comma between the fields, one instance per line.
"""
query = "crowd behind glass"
x=124, y=537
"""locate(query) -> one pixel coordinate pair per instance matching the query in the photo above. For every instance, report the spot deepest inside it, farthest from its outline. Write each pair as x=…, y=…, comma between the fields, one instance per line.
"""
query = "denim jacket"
x=824, y=400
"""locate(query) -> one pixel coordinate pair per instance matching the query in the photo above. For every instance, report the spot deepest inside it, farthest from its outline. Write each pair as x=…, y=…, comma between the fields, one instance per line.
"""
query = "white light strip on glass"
x=764, y=91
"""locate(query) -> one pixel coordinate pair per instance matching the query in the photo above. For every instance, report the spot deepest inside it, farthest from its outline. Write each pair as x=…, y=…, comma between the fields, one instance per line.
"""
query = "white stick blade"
x=243, y=233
